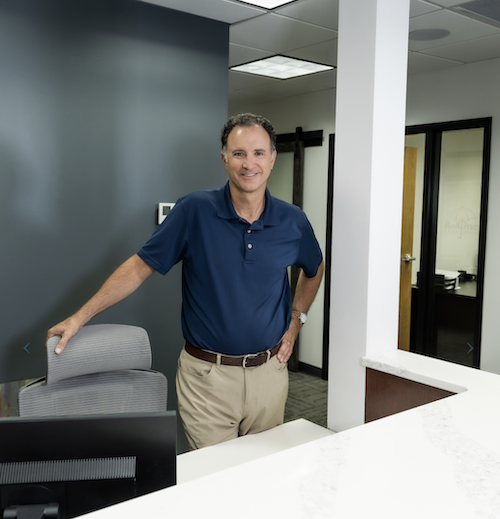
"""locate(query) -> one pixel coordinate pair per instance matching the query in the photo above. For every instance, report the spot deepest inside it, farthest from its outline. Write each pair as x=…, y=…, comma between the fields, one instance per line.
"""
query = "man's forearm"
x=306, y=290
x=124, y=280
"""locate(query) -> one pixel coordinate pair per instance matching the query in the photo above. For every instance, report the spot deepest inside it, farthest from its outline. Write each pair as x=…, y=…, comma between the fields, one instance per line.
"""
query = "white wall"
x=465, y=92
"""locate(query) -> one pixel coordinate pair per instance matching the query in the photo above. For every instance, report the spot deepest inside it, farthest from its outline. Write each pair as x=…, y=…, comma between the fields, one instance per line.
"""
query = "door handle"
x=408, y=258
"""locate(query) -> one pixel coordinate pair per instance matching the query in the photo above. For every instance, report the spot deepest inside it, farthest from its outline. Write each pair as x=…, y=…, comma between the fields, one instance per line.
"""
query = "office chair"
x=104, y=369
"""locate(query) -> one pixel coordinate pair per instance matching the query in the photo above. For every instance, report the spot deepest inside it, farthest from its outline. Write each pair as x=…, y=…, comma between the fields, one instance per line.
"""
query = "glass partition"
x=457, y=244
x=449, y=238
x=460, y=202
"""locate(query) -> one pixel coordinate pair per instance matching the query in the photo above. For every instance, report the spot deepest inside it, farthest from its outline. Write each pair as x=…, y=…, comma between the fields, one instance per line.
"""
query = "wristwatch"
x=301, y=316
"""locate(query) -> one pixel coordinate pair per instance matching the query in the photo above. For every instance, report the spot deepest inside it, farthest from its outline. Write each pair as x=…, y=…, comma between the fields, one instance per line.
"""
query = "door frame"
x=424, y=340
x=328, y=257
x=296, y=143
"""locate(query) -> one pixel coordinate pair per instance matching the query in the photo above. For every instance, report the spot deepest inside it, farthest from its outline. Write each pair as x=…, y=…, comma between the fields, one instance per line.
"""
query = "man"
x=237, y=315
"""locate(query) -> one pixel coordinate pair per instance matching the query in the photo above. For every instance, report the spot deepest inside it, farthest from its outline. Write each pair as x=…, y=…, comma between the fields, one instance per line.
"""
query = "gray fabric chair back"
x=104, y=369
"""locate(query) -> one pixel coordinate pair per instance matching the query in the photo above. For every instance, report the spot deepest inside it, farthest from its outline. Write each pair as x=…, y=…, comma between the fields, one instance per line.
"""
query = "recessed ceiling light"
x=429, y=34
x=281, y=67
x=267, y=4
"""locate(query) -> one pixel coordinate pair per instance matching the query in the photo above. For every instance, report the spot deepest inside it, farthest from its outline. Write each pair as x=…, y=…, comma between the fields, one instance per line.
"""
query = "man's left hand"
x=287, y=341
x=305, y=293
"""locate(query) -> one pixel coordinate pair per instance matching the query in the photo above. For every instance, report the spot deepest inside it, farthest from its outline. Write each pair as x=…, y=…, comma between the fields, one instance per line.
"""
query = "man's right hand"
x=66, y=329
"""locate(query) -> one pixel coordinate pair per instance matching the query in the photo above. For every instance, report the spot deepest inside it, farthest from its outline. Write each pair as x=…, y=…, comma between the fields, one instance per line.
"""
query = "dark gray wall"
x=107, y=107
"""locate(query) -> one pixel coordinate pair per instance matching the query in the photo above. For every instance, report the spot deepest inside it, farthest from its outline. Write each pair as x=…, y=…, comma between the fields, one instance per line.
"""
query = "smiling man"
x=238, y=319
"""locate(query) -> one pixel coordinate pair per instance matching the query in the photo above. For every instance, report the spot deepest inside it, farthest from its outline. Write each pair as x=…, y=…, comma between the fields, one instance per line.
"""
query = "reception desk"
x=439, y=460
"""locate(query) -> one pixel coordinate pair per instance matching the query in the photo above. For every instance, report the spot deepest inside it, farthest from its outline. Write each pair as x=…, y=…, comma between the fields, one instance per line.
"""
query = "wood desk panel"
x=388, y=394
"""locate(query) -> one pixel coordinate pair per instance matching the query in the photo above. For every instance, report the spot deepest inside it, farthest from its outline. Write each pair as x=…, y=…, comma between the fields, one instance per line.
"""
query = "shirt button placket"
x=248, y=244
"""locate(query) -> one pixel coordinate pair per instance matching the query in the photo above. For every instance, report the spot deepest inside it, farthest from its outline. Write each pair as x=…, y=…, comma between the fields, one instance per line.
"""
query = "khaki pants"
x=218, y=403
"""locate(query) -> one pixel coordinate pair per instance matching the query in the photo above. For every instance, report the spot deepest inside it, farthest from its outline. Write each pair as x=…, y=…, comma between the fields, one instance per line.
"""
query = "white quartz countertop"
x=441, y=460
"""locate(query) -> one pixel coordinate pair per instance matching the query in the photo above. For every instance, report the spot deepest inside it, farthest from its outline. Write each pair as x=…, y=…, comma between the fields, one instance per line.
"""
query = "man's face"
x=249, y=159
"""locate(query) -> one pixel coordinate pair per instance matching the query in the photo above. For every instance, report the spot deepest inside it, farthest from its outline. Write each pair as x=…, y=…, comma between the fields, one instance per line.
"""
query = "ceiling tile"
x=325, y=53
x=449, y=3
x=419, y=7
x=469, y=51
x=307, y=29
x=222, y=10
x=277, y=34
x=239, y=54
x=324, y=13
x=487, y=11
x=418, y=63
x=460, y=27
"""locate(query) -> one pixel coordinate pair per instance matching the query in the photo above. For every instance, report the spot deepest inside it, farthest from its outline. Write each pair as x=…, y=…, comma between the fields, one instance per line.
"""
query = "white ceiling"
x=307, y=29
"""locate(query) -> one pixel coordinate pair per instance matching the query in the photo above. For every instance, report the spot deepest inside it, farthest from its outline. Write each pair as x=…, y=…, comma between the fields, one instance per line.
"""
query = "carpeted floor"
x=307, y=398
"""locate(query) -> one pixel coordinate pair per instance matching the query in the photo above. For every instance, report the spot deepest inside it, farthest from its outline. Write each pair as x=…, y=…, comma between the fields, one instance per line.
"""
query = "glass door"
x=457, y=244
x=449, y=239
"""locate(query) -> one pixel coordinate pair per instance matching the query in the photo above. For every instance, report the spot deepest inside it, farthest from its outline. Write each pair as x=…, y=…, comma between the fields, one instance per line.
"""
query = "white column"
x=369, y=155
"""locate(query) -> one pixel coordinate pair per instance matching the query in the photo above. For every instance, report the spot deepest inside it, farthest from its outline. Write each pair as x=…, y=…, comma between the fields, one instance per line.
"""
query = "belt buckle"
x=250, y=355
x=255, y=355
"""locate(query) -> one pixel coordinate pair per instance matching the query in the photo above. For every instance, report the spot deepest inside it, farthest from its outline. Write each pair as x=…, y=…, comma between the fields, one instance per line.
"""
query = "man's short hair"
x=247, y=120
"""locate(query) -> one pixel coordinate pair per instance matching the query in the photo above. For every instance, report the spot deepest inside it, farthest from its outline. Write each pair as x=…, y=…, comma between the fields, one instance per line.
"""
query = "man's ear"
x=223, y=158
x=273, y=158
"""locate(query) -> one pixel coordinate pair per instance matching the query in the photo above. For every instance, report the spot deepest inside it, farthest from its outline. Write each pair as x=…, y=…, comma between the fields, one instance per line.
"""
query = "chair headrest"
x=99, y=348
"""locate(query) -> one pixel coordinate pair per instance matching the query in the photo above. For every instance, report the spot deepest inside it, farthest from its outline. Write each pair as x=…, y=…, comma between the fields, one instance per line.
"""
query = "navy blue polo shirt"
x=235, y=290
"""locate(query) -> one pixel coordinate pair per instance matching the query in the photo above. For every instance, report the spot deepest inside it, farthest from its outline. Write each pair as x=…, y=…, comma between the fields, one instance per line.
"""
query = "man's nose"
x=249, y=163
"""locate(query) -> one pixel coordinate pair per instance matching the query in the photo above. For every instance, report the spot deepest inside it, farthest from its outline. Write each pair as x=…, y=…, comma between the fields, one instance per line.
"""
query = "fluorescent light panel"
x=281, y=67
x=267, y=4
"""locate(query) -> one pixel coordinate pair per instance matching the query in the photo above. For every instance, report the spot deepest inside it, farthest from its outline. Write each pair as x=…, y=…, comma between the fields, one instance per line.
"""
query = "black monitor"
x=62, y=467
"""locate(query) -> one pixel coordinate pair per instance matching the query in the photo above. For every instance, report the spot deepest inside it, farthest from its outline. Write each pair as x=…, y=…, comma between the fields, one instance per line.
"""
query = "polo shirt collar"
x=225, y=208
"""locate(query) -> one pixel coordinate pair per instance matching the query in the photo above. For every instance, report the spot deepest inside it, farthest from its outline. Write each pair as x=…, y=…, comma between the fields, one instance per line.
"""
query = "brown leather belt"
x=246, y=361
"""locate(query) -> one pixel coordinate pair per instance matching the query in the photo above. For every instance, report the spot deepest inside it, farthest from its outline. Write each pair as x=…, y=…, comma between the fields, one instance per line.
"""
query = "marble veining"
x=476, y=468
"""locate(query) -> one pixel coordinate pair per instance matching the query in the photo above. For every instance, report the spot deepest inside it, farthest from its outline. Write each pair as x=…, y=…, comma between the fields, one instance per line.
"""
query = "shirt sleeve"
x=168, y=244
x=310, y=255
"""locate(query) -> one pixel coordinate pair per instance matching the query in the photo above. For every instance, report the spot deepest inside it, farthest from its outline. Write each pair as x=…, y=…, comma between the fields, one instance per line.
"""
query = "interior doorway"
x=407, y=258
x=287, y=183
x=449, y=238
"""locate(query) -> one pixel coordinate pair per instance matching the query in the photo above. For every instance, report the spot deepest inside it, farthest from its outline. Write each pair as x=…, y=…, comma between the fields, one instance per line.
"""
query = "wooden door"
x=410, y=171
